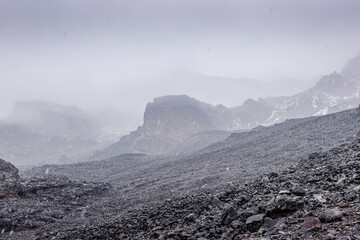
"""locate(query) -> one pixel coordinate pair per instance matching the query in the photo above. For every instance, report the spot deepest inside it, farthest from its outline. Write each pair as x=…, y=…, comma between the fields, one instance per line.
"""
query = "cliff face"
x=178, y=117
x=168, y=123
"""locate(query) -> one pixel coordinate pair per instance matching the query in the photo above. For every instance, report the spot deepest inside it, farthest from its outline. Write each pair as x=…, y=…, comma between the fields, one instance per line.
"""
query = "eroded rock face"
x=283, y=205
x=177, y=117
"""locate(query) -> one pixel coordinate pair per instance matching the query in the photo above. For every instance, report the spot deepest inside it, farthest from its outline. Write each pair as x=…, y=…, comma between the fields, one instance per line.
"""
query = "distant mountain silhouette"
x=37, y=132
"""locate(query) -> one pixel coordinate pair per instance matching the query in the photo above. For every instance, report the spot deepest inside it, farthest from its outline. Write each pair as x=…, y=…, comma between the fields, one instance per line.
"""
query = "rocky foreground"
x=319, y=198
x=42, y=203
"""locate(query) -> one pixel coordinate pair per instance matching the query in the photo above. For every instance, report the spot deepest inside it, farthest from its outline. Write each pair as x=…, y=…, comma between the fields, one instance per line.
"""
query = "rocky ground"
x=319, y=198
x=40, y=203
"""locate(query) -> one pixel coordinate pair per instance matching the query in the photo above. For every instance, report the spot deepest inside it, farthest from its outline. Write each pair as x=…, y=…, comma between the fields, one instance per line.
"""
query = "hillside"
x=315, y=199
x=242, y=156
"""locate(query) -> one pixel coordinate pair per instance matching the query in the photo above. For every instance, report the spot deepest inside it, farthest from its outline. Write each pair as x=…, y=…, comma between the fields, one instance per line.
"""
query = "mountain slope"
x=139, y=179
x=316, y=199
x=333, y=93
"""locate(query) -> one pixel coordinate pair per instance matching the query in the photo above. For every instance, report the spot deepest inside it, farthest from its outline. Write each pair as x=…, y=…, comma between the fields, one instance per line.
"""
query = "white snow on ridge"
x=314, y=101
x=322, y=112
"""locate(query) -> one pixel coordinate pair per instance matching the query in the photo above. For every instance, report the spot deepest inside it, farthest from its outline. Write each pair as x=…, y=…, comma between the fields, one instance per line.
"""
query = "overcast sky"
x=95, y=53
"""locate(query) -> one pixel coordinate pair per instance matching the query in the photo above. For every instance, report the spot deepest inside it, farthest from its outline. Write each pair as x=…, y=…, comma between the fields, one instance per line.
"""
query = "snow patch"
x=322, y=112
x=314, y=101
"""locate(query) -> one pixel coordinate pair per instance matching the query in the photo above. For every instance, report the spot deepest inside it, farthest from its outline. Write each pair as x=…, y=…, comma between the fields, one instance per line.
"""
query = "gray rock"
x=331, y=215
x=254, y=222
x=297, y=190
x=228, y=216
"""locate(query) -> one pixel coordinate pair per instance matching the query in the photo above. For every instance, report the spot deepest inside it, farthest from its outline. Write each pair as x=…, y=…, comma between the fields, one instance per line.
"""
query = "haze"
x=122, y=54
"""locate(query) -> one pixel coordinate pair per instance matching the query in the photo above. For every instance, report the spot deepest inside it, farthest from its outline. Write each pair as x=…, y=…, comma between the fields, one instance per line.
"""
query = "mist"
x=122, y=54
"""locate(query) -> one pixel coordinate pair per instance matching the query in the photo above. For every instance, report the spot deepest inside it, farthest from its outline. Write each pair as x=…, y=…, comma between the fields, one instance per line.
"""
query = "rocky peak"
x=337, y=84
x=178, y=117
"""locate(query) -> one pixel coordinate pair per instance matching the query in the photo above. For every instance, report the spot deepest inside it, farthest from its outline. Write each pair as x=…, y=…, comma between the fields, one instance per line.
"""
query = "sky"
x=122, y=54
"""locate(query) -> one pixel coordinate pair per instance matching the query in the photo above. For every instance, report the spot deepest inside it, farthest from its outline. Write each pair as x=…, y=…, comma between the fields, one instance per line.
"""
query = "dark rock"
x=228, y=216
x=269, y=224
x=190, y=218
x=244, y=214
x=310, y=223
x=344, y=204
x=297, y=190
x=254, y=222
x=238, y=226
x=283, y=205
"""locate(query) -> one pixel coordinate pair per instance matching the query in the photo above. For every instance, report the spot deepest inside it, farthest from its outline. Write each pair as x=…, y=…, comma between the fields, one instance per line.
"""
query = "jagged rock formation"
x=168, y=122
x=317, y=199
x=178, y=117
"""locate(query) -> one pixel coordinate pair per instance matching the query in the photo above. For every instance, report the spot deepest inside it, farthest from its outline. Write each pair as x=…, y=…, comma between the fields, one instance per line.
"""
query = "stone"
x=237, y=225
x=344, y=204
x=254, y=222
x=331, y=215
x=310, y=223
x=298, y=190
x=228, y=216
x=320, y=198
x=284, y=192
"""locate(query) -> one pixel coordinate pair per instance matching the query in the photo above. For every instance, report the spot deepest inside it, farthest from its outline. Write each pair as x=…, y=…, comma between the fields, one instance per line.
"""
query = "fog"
x=122, y=54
